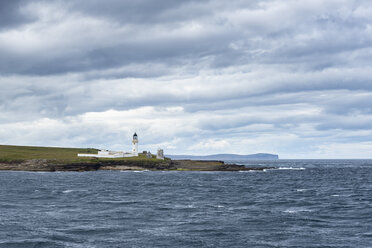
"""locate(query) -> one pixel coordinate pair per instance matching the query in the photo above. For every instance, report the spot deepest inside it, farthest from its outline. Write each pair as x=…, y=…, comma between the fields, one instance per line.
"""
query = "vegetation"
x=12, y=154
x=30, y=158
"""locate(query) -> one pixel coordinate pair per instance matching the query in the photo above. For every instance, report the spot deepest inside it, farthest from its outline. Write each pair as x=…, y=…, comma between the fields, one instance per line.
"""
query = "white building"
x=135, y=145
x=113, y=154
x=160, y=154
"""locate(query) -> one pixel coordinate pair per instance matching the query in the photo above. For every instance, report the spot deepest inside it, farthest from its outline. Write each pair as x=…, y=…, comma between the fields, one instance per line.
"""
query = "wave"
x=249, y=171
x=73, y=190
x=119, y=202
x=28, y=243
x=291, y=168
x=134, y=171
x=182, y=206
x=296, y=210
x=301, y=190
x=283, y=168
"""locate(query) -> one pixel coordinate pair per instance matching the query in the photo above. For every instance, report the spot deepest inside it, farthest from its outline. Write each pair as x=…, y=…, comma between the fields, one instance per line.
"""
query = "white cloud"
x=353, y=150
x=287, y=77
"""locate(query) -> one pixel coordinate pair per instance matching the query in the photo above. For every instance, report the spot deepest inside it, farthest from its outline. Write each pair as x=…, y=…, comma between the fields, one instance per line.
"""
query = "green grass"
x=21, y=153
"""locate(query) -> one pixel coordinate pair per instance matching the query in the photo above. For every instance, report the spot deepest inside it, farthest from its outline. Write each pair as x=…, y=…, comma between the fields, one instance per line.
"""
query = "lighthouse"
x=135, y=144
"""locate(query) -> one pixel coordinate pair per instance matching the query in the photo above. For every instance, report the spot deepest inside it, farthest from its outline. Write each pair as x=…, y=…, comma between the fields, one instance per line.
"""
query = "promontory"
x=32, y=158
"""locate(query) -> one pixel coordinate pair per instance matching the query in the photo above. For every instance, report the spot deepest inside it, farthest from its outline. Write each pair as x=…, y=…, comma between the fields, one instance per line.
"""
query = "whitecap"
x=134, y=171
x=182, y=206
x=250, y=171
x=72, y=190
x=36, y=172
x=301, y=190
x=139, y=171
x=291, y=168
x=296, y=210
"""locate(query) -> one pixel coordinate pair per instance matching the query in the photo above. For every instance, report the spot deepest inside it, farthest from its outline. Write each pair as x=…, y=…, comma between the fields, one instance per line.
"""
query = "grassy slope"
x=21, y=153
x=67, y=156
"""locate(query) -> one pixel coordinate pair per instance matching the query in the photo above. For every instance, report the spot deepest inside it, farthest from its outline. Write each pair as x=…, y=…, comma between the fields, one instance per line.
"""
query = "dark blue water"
x=306, y=203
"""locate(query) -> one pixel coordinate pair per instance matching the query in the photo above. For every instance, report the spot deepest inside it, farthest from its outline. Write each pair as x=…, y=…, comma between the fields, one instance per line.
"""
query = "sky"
x=288, y=77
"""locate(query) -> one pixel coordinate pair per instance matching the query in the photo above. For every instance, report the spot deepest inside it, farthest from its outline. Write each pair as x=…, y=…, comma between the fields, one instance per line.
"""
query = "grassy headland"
x=23, y=153
x=55, y=158
x=32, y=158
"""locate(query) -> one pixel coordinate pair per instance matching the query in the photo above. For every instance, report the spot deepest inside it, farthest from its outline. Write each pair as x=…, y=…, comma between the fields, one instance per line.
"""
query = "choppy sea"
x=304, y=203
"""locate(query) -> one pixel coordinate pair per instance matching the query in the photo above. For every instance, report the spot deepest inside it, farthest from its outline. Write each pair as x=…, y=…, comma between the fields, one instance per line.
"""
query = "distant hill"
x=226, y=157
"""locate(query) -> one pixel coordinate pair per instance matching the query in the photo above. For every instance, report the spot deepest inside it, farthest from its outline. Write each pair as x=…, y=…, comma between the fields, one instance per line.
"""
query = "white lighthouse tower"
x=135, y=144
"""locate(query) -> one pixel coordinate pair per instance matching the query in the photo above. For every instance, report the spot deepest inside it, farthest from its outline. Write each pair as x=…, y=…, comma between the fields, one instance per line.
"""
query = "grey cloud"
x=140, y=11
x=72, y=97
x=11, y=15
x=351, y=105
x=172, y=52
x=296, y=71
x=238, y=120
x=160, y=12
x=285, y=44
x=346, y=123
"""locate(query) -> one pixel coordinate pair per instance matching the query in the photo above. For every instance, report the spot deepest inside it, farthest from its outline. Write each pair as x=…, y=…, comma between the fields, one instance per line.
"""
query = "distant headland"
x=229, y=157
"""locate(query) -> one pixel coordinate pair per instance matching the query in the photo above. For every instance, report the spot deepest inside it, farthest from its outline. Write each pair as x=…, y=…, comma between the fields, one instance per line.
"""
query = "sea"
x=302, y=203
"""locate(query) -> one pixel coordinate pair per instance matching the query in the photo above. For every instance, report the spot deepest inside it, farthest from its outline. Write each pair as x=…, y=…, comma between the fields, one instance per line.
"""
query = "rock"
x=103, y=164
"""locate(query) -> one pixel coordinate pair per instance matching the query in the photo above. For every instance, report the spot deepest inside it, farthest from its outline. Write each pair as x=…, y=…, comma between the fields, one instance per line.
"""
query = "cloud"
x=201, y=76
x=110, y=35
x=12, y=16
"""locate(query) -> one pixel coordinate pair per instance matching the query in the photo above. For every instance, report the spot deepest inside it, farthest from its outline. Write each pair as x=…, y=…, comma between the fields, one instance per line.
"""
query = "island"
x=230, y=157
x=32, y=158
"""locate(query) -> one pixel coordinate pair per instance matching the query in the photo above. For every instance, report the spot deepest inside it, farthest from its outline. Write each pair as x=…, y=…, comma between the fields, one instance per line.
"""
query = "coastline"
x=31, y=158
x=106, y=164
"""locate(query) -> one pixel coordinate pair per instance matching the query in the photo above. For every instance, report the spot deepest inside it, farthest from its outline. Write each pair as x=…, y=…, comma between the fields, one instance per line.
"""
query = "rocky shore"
x=93, y=165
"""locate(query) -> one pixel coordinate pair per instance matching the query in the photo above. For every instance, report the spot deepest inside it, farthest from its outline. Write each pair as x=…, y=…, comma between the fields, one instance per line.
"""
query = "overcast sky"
x=288, y=77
